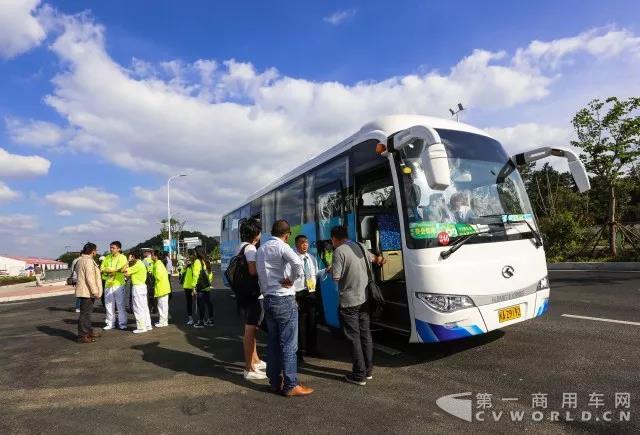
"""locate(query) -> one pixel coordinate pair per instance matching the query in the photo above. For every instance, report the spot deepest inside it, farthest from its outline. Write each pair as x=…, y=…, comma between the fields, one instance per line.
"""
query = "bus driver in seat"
x=461, y=211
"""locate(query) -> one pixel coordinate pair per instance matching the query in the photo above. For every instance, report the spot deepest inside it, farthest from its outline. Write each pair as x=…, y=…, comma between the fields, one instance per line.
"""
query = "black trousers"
x=307, y=322
x=84, y=321
x=188, y=298
x=204, y=303
x=356, y=322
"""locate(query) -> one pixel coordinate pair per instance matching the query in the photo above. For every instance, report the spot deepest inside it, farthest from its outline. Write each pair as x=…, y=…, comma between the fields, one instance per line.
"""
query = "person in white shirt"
x=252, y=309
x=280, y=309
x=305, y=288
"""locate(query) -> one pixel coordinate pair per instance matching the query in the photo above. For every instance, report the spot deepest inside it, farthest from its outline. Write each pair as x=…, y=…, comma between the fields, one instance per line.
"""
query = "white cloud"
x=16, y=224
x=598, y=43
x=14, y=165
x=36, y=133
x=64, y=213
x=85, y=198
x=340, y=16
x=19, y=28
x=524, y=137
x=91, y=228
x=7, y=194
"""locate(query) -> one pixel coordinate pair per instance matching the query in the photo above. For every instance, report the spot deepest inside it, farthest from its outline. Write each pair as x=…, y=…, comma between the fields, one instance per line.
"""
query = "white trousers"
x=163, y=309
x=141, y=306
x=114, y=299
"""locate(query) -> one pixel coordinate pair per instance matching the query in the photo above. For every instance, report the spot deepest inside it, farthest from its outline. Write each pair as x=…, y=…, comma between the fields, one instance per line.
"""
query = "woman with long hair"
x=203, y=284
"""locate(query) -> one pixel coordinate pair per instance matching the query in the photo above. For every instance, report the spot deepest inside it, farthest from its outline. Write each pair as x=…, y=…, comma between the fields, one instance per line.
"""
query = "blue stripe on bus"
x=543, y=308
x=432, y=333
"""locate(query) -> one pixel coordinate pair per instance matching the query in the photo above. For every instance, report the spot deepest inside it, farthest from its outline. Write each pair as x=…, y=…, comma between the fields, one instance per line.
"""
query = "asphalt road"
x=182, y=380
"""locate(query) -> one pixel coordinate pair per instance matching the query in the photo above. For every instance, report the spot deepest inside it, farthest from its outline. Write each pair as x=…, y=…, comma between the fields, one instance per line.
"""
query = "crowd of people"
x=277, y=294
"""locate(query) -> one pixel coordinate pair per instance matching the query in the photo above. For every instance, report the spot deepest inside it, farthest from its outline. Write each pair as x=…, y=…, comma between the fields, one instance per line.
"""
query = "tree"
x=68, y=257
x=608, y=132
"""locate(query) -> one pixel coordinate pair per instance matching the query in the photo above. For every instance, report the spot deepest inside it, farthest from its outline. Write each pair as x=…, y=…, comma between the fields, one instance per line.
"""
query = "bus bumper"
x=474, y=321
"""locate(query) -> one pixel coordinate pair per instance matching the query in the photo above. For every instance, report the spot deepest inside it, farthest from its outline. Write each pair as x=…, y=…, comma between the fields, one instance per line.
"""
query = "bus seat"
x=389, y=227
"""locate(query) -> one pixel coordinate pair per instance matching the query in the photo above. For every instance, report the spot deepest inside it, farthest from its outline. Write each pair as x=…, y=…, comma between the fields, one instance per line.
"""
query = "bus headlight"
x=543, y=284
x=445, y=303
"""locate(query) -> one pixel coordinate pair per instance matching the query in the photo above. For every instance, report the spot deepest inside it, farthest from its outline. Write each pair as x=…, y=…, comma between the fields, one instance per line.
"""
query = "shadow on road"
x=57, y=332
x=194, y=364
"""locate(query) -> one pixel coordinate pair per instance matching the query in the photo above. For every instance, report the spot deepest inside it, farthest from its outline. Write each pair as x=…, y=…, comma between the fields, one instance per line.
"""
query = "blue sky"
x=117, y=95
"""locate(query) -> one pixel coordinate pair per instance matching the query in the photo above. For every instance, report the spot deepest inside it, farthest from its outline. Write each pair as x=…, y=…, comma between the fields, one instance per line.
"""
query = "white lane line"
x=600, y=319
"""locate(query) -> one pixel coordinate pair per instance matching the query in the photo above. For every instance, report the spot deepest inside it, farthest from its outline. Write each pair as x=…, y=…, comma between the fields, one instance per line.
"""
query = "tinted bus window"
x=289, y=202
x=268, y=214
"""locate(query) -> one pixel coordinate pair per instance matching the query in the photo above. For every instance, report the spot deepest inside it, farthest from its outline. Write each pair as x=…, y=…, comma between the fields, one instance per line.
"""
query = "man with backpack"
x=281, y=311
x=243, y=277
x=351, y=271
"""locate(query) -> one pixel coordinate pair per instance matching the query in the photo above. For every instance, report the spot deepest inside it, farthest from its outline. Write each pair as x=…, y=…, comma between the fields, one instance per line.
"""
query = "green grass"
x=9, y=280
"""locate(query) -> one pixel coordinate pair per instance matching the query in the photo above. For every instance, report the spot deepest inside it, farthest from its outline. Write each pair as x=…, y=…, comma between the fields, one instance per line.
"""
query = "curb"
x=36, y=296
x=612, y=267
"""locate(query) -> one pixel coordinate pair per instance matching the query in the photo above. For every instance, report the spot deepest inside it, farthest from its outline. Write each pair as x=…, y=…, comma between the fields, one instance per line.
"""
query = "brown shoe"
x=95, y=333
x=299, y=390
x=86, y=339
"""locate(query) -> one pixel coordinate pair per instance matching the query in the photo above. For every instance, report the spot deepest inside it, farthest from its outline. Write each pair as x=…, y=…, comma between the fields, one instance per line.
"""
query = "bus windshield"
x=486, y=193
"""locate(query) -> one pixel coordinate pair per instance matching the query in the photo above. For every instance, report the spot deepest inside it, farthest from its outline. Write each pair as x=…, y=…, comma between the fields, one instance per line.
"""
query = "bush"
x=563, y=235
x=9, y=280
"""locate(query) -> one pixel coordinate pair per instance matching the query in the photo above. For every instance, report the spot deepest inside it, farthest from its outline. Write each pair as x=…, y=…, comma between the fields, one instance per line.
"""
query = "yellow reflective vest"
x=110, y=264
x=161, y=278
x=138, y=273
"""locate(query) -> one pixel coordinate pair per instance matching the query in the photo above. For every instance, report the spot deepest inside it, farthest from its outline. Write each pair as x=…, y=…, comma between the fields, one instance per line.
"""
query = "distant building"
x=13, y=265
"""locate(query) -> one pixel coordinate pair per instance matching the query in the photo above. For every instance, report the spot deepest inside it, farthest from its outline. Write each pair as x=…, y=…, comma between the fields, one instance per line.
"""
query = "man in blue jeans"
x=280, y=310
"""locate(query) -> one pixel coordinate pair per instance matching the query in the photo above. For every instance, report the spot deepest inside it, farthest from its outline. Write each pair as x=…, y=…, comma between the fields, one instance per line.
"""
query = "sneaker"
x=190, y=321
x=77, y=310
x=349, y=378
x=369, y=377
x=107, y=327
x=161, y=325
x=209, y=323
x=198, y=325
x=123, y=328
x=139, y=331
x=254, y=375
x=149, y=329
x=262, y=366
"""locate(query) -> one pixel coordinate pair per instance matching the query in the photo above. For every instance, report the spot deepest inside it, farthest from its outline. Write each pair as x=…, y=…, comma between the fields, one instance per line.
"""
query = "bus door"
x=378, y=228
x=329, y=202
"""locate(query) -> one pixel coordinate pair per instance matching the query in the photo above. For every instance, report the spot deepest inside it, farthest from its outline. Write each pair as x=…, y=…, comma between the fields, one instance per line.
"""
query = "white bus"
x=443, y=202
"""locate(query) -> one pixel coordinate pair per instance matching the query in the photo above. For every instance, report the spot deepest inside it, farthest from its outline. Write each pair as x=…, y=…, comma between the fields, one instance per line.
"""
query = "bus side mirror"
x=434, y=154
x=576, y=168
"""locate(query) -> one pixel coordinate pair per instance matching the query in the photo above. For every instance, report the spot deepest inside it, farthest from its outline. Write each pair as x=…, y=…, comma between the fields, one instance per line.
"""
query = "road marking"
x=600, y=319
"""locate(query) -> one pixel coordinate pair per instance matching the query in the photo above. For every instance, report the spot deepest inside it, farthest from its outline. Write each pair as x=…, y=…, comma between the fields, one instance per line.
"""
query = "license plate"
x=509, y=313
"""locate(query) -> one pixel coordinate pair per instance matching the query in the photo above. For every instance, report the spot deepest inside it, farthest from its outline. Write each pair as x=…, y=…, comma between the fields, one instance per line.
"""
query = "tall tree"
x=608, y=132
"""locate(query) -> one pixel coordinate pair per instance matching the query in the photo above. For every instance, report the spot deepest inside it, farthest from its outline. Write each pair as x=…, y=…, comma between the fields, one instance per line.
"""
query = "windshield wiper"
x=446, y=254
x=536, y=235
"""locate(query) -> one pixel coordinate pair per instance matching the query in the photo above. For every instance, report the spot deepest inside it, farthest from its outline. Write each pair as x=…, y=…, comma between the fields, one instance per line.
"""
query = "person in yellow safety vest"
x=148, y=262
x=202, y=286
x=138, y=274
x=113, y=268
x=191, y=275
x=162, y=289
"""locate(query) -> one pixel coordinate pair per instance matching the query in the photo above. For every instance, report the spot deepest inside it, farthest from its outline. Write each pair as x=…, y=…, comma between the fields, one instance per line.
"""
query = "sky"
x=102, y=101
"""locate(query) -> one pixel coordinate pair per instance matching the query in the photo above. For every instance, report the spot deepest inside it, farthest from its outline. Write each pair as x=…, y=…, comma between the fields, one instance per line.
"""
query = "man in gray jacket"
x=88, y=288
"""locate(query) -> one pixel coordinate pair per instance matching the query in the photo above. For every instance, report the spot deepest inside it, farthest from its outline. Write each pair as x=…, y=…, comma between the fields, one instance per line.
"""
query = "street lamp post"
x=169, y=208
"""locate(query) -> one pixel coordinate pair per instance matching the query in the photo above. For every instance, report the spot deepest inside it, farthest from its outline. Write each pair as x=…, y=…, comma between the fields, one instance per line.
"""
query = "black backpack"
x=244, y=285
